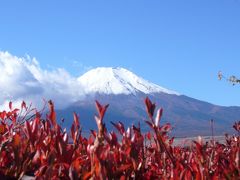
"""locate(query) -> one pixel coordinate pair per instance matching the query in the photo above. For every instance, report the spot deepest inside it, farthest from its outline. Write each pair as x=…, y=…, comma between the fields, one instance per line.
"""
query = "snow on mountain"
x=108, y=80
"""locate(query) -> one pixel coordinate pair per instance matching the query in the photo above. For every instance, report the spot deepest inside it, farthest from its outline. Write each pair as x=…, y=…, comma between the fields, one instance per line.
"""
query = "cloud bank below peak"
x=22, y=78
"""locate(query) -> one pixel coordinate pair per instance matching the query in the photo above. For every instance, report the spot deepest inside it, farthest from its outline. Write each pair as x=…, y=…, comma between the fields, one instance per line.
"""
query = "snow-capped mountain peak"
x=108, y=80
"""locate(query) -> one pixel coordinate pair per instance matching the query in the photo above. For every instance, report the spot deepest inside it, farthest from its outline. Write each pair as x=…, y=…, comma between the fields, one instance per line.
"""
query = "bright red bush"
x=30, y=145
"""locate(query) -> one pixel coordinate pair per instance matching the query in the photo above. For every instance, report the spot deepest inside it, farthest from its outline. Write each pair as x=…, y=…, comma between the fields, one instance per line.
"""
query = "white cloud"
x=23, y=79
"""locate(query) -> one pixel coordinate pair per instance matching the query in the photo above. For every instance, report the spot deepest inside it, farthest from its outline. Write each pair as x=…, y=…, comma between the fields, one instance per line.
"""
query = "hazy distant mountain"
x=125, y=92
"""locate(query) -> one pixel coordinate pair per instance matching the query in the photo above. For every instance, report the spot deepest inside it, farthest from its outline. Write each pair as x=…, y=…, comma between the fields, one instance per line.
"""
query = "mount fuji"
x=117, y=81
x=125, y=92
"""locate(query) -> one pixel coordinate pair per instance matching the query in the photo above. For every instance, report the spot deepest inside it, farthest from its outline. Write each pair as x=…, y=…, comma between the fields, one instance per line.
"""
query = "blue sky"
x=178, y=44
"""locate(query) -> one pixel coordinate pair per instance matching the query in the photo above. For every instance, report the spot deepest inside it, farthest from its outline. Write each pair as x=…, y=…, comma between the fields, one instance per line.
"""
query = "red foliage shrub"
x=30, y=145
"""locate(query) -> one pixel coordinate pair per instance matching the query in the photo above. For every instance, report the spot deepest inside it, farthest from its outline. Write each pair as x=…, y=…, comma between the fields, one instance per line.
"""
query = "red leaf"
x=149, y=136
x=150, y=124
x=236, y=126
x=28, y=128
x=171, y=141
x=199, y=147
x=15, y=111
x=124, y=167
x=10, y=105
x=166, y=127
x=23, y=105
x=94, y=133
x=135, y=129
x=52, y=115
x=119, y=126
x=72, y=131
x=65, y=137
x=150, y=107
x=76, y=120
x=158, y=116
x=3, y=115
x=35, y=126
x=113, y=139
x=16, y=140
x=101, y=109
x=2, y=129
x=87, y=175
